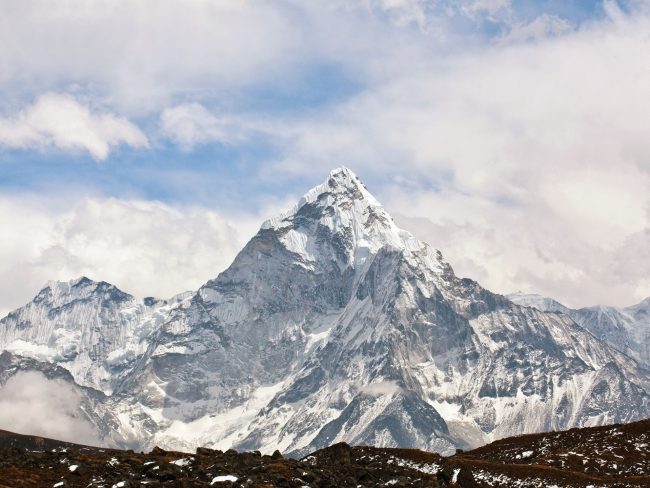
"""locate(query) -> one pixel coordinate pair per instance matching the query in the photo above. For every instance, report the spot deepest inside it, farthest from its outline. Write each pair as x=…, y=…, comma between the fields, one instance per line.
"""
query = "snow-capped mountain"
x=627, y=329
x=94, y=329
x=332, y=324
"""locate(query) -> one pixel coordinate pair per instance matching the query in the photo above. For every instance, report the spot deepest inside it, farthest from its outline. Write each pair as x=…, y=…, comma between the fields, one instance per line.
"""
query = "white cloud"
x=191, y=124
x=404, y=12
x=34, y=405
x=381, y=388
x=140, y=53
x=141, y=57
x=143, y=247
x=56, y=120
x=530, y=161
x=491, y=7
x=526, y=162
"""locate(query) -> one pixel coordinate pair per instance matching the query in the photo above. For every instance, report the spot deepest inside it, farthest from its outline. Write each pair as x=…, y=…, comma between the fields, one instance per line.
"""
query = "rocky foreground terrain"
x=608, y=456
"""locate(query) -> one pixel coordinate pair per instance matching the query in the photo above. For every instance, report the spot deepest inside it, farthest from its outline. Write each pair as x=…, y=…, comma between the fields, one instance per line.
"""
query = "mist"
x=32, y=404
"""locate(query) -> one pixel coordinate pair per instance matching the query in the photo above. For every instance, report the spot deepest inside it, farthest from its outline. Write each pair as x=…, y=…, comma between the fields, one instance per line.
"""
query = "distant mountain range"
x=625, y=328
x=332, y=324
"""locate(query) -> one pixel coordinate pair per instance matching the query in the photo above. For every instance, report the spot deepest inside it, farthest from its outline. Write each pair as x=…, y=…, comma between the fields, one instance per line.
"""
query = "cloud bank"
x=514, y=142
x=145, y=248
x=527, y=164
x=34, y=405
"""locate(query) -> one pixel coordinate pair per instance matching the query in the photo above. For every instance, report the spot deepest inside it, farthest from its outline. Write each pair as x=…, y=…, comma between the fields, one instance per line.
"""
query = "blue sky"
x=476, y=122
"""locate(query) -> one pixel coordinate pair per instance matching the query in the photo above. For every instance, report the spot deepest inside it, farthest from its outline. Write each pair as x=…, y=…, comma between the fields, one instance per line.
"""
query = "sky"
x=143, y=142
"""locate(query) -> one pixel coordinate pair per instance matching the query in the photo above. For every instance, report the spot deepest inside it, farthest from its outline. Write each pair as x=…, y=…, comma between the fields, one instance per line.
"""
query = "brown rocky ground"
x=612, y=456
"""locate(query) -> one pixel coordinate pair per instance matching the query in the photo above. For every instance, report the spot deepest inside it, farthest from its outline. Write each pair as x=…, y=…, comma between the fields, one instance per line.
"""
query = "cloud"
x=144, y=247
x=491, y=7
x=146, y=56
x=140, y=53
x=524, y=159
x=191, y=124
x=404, y=12
x=56, y=120
x=530, y=160
x=32, y=404
x=381, y=388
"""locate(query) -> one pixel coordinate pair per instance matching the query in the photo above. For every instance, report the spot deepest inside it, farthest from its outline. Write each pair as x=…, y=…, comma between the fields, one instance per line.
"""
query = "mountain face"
x=626, y=329
x=332, y=324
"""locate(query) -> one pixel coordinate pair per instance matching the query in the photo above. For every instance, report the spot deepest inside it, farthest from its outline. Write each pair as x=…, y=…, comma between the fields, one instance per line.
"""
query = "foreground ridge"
x=608, y=456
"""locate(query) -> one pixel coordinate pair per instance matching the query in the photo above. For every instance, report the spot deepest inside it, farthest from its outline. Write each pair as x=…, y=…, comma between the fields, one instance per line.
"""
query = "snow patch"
x=223, y=479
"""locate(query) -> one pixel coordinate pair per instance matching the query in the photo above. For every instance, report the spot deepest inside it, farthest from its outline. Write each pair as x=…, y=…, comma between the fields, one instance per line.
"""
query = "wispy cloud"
x=191, y=124
x=540, y=28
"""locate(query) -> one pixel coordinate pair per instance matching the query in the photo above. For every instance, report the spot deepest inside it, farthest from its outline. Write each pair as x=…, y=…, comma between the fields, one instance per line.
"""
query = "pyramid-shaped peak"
x=344, y=180
x=342, y=171
x=342, y=189
x=341, y=207
x=345, y=176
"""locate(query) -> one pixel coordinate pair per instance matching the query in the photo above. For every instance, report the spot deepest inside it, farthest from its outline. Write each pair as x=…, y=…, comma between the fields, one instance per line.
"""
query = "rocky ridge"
x=610, y=456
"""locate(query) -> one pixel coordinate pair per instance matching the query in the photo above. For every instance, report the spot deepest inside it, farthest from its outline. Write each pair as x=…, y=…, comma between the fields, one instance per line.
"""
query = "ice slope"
x=332, y=324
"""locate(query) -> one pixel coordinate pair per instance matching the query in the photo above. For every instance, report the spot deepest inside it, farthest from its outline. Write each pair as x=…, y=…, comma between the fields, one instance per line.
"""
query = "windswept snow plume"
x=32, y=404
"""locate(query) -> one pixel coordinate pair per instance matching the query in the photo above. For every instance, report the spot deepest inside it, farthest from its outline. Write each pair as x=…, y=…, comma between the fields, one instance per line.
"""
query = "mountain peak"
x=342, y=171
x=343, y=205
x=58, y=292
x=343, y=182
x=345, y=177
x=67, y=285
x=341, y=191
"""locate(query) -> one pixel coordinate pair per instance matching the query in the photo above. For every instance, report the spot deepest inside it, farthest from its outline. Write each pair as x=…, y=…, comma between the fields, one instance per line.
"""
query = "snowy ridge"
x=92, y=329
x=545, y=304
x=627, y=329
x=340, y=181
x=332, y=324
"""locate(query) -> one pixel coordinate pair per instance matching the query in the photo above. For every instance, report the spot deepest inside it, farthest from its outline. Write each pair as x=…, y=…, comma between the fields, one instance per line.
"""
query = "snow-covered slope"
x=625, y=328
x=331, y=324
x=94, y=330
